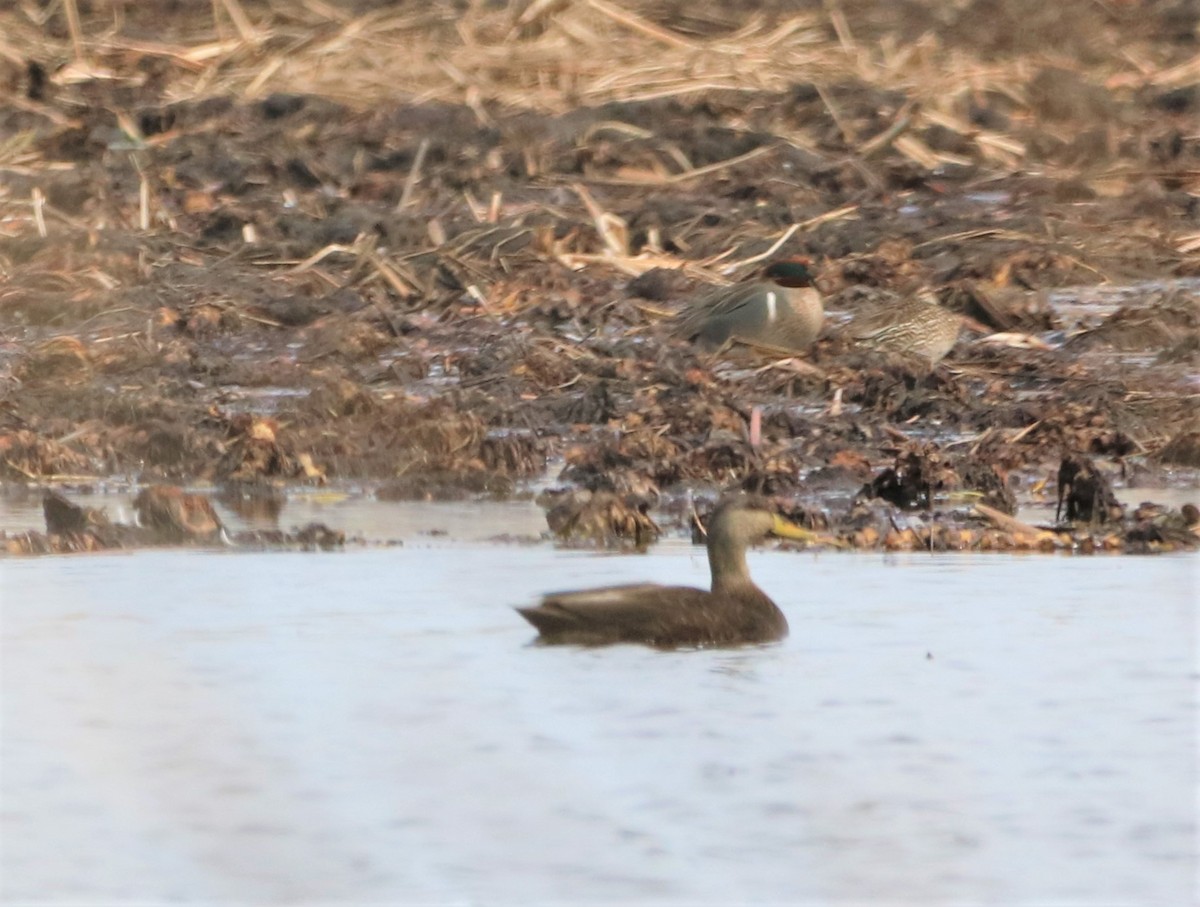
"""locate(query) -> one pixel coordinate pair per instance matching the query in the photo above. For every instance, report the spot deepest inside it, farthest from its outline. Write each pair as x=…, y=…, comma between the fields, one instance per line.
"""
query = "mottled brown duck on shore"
x=784, y=311
x=914, y=326
x=735, y=611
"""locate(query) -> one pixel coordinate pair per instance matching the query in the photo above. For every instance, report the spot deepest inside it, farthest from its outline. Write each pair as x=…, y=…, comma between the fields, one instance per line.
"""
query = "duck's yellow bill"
x=789, y=530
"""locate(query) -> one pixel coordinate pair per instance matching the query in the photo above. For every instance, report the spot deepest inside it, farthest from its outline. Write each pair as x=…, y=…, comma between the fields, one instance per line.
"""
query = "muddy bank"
x=445, y=288
x=894, y=512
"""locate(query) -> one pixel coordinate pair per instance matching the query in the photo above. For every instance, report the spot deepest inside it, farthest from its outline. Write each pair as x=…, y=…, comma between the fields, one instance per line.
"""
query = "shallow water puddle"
x=1086, y=307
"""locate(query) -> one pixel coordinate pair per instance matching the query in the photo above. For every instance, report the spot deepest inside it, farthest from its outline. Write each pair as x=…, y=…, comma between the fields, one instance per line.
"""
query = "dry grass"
x=554, y=56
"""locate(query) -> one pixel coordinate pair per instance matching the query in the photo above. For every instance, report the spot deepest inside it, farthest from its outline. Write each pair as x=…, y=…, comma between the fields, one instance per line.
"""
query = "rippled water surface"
x=374, y=727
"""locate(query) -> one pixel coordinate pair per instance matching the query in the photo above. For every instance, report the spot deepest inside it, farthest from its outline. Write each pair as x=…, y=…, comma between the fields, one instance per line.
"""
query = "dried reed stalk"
x=553, y=56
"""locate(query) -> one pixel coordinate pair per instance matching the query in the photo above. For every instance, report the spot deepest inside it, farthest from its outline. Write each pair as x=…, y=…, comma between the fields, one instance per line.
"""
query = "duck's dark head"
x=740, y=521
x=791, y=272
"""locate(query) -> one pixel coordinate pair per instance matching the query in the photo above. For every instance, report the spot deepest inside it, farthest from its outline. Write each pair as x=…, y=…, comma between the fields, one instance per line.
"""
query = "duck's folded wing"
x=722, y=303
x=635, y=612
x=869, y=325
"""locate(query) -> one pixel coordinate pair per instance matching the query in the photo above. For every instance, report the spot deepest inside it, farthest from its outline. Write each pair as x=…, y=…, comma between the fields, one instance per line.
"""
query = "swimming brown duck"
x=782, y=311
x=735, y=610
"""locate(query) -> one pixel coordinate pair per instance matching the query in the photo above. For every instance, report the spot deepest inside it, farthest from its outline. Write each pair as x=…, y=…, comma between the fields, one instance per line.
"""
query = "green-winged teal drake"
x=783, y=311
x=734, y=611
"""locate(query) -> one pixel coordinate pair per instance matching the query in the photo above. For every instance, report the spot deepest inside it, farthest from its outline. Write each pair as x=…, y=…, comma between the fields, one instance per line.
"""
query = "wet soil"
x=447, y=300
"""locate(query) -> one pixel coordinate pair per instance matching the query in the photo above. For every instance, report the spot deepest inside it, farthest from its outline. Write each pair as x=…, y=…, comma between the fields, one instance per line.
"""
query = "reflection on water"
x=1172, y=498
x=374, y=726
x=360, y=515
x=356, y=512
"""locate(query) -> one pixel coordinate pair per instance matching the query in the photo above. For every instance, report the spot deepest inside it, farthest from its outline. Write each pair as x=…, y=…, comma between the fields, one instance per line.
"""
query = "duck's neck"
x=727, y=559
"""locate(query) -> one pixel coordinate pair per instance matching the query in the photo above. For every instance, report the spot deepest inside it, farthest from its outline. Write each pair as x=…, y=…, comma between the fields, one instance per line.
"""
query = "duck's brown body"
x=916, y=326
x=658, y=616
x=735, y=612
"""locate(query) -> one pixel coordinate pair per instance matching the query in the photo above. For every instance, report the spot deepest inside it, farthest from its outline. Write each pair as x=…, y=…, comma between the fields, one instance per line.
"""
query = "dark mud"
x=446, y=299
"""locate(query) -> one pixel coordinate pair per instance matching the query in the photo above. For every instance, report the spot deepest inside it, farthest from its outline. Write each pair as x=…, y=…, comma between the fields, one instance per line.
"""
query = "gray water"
x=374, y=727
